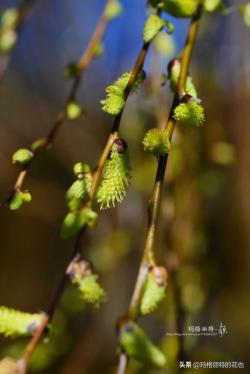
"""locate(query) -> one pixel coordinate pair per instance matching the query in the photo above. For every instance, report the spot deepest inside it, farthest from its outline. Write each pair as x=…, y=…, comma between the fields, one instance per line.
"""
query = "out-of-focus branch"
x=61, y=116
x=154, y=202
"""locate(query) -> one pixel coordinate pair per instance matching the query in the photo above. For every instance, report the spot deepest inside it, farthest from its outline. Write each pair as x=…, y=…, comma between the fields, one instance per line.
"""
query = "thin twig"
x=154, y=203
x=23, y=362
x=61, y=116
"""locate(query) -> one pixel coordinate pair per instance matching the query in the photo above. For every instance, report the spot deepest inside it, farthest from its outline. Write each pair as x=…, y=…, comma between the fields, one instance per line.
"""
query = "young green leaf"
x=152, y=27
x=38, y=143
x=180, y=8
x=81, y=168
x=72, y=224
x=22, y=156
x=137, y=345
x=173, y=76
x=76, y=220
x=18, y=199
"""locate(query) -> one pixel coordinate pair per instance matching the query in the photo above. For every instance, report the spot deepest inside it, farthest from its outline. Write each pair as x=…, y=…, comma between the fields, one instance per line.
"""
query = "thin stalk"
x=61, y=116
x=155, y=201
x=23, y=362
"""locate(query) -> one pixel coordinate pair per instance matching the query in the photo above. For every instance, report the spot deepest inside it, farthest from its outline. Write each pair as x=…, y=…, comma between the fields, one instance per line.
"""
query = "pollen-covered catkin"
x=189, y=114
x=15, y=323
x=116, y=176
x=156, y=142
x=154, y=290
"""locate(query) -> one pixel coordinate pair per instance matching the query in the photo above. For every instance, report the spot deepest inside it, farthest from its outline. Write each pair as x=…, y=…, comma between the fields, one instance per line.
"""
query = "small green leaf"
x=180, y=8
x=81, y=168
x=91, y=217
x=189, y=114
x=137, y=345
x=73, y=110
x=152, y=27
x=113, y=9
x=18, y=199
x=156, y=142
x=72, y=224
x=79, y=189
x=75, y=221
x=38, y=143
x=173, y=76
x=16, y=323
x=26, y=196
x=22, y=156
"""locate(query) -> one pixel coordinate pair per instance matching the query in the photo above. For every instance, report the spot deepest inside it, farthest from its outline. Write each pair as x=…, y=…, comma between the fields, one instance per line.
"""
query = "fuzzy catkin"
x=115, y=180
x=16, y=323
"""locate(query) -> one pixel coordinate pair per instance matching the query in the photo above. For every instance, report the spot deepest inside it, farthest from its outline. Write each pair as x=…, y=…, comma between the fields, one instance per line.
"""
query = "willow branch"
x=23, y=362
x=155, y=201
x=61, y=116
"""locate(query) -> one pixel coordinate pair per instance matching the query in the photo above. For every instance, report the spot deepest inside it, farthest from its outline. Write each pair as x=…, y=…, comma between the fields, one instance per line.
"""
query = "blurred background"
x=204, y=236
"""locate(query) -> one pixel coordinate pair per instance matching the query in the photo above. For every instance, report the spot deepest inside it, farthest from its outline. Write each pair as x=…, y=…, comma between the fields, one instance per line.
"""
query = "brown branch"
x=154, y=203
x=23, y=362
x=61, y=116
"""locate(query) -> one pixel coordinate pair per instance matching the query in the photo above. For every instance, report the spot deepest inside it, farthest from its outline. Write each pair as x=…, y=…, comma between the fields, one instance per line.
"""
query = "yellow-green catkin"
x=156, y=142
x=189, y=114
x=116, y=176
x=15, y=323
x=81, y=275
x=154, y=291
